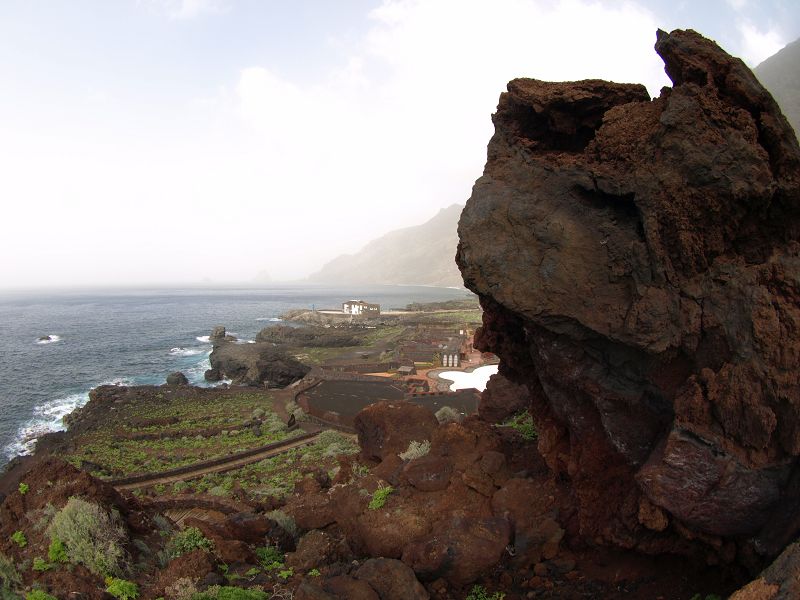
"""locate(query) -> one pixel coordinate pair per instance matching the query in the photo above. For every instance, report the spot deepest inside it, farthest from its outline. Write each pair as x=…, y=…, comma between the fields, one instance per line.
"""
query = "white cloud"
x=737, y=5
x=282, y=172
x=758, y=45
x=401, y=127
x=190, y=9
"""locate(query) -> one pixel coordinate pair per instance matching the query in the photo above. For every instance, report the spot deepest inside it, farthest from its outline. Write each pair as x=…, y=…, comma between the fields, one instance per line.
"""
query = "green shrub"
x=448, y=414
x=93, y=537
x=10, y=578
x=19, y=539
x=188, y=540
x=479, y=592
x=522, y=423
x=57, y=553
x=23, y=488
x=39, y=595
x=41, y=565
x=216, y=592
x=379, y=497
x=270, y=557
x=122, y=589
x=184, y=588
x=314, y=573
x=286, y=573
x=416, y=450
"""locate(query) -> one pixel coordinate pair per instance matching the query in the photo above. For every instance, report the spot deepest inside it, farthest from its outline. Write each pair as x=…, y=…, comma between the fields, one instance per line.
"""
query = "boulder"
x=502, y=399
x=460, y=550
x=429, y=473
x=638, y=264
x=347, y=588
x=387, y=428
x=779, y=581
x=313, y=549
x=391, y=579
x=177, y=378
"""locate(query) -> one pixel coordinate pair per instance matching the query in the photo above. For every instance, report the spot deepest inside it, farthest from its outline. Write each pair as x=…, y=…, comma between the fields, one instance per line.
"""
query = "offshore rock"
x=177, y=378
x=639, y=267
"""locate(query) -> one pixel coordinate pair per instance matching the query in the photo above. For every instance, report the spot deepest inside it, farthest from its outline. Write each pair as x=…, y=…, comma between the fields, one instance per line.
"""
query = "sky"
x=174, y=142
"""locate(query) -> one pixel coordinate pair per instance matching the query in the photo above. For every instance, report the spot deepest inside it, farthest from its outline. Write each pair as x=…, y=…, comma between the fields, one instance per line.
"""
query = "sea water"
x=136, y=337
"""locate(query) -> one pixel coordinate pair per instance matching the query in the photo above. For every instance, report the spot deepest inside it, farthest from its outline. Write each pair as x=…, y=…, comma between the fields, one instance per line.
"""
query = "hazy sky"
x=171, y=141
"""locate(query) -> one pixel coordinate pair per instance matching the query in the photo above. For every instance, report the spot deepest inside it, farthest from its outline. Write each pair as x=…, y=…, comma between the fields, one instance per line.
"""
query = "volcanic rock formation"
x=639, y=267
x=256, y=364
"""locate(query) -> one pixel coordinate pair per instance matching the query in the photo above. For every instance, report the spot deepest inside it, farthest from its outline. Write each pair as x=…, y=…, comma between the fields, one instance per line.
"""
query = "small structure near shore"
x=359, y=307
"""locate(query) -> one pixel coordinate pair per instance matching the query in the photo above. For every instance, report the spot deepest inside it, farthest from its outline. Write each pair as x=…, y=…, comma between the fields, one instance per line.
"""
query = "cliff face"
x=639, y=267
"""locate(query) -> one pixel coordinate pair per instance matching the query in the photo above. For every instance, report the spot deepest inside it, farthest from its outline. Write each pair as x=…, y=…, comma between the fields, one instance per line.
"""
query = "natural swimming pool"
x=476, y=379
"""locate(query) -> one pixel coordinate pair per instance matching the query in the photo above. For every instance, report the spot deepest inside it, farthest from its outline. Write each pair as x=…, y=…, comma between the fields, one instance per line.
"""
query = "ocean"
x=136, y=337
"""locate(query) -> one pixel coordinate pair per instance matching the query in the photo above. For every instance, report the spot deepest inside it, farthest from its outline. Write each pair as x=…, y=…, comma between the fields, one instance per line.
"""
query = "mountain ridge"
x=780, y=74
x=416, y=255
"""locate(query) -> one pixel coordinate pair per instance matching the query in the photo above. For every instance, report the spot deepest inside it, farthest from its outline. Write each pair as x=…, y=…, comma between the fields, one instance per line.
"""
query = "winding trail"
x=219, y=465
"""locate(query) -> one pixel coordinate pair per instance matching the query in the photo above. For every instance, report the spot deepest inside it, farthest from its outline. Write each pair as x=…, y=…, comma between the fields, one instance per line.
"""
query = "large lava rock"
x=639, y=267
x=254, y=364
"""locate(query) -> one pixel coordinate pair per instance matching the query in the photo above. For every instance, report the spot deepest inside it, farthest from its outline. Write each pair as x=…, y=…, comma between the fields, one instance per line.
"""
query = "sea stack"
x=639, y=267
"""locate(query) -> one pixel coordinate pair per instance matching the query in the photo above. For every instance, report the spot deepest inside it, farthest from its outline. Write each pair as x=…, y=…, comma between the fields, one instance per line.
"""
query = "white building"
x=359, y=307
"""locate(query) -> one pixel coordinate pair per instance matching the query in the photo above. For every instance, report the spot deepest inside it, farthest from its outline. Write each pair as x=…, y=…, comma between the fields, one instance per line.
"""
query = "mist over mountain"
x=419, y=255
x=780, y=74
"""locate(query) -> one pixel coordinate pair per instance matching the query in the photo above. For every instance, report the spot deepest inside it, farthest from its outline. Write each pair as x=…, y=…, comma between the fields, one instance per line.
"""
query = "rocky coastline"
x=637, y=262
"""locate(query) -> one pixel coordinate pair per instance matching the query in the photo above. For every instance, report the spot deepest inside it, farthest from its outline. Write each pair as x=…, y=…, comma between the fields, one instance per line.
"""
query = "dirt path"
x=234, y=462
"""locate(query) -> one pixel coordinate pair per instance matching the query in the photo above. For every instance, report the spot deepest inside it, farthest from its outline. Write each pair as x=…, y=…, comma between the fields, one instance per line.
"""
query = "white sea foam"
x=206, y=339
x=476, y=379
x=52, y=339
x=47, y=418
x=271, y=319
x=179, y=351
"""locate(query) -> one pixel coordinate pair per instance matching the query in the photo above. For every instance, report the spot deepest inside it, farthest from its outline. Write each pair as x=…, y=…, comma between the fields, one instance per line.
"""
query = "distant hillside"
x=420, y=255
x=780, y=74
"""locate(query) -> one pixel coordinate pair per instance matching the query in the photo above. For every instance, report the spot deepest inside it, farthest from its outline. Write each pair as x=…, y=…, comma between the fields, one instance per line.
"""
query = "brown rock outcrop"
x=387, y=428
x=639, y=267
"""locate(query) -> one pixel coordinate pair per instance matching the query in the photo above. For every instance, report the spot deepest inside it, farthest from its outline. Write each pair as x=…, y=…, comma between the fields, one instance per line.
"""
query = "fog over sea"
x=136, y=337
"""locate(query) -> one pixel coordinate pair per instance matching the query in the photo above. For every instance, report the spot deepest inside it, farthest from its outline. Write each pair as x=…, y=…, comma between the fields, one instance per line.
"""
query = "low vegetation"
x=18, y=537
x=188, y=540
x=39, y=595
x=92, y=537
x=193, y=428
x=478, y=592
x=122, y=589
x=273, y=477
x=216, y=592
x=379, y=497
x=416, y=450
x=10, y=579
x=522, y=423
